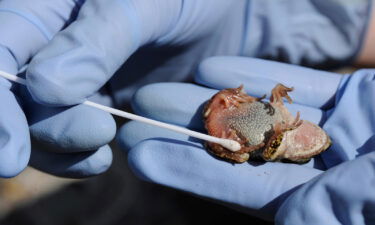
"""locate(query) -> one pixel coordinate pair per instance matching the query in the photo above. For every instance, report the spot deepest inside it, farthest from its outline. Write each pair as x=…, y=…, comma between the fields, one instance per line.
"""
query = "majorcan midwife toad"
x=265, y=130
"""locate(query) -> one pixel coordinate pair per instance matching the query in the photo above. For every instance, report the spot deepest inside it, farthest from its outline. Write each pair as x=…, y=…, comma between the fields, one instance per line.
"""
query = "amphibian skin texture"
x=265, y=130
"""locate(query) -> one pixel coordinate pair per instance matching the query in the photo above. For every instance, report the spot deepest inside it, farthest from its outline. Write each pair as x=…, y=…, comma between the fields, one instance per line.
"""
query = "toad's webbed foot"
x=280, y=91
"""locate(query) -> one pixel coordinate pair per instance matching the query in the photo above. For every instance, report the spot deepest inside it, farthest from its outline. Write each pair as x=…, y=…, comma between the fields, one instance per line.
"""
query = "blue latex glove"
x=83, y=57
x=312, y=193
x=74, y=142
x=77, y=62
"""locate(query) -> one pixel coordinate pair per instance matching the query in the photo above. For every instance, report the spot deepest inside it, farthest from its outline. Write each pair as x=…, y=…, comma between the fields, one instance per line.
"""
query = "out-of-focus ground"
x=116, y=197
x=24, y=189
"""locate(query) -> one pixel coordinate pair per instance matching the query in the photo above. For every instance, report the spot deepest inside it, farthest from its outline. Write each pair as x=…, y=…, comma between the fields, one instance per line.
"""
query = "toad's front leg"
x=280, y=91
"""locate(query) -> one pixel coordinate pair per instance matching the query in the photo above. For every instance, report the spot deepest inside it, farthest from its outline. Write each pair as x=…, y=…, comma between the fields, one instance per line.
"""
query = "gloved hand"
x=75, y=138
x=83, y=57
x=77, y=62
x=312, y=193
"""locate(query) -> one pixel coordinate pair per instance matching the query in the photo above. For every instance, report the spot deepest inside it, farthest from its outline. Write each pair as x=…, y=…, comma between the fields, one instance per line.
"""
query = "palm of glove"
x=181, y=162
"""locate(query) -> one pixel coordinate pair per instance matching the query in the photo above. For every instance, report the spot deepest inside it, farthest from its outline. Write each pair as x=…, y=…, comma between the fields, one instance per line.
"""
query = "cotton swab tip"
x=231, y=145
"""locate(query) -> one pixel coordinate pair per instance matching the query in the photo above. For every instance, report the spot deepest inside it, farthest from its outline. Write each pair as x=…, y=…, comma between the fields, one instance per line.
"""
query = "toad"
x=265, y=130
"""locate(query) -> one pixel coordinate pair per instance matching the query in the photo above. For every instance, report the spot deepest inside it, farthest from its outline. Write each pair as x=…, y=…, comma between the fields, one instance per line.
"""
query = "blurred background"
x=116, y=197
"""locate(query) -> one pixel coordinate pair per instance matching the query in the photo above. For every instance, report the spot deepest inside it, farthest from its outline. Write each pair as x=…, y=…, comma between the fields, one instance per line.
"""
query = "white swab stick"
x=12, y=77
x=227, y=143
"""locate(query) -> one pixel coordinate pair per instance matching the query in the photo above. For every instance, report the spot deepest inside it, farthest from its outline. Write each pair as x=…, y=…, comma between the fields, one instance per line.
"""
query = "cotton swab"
x=227, y=143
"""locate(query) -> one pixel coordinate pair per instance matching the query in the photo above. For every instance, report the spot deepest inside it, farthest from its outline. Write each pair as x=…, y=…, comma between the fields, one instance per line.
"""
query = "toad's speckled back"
x=254, y=120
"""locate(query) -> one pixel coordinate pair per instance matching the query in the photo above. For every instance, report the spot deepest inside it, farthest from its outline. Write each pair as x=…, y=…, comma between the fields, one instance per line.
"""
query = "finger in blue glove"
x=72, y=165
x=14, y=135
x=342, y=195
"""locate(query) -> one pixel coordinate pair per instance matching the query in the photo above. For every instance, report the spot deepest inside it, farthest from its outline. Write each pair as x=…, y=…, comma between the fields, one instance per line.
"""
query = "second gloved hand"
x=69, y=141
x=261, y=189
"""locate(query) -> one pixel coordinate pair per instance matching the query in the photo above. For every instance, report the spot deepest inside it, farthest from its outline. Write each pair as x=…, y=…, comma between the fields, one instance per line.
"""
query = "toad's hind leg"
x=280, y=91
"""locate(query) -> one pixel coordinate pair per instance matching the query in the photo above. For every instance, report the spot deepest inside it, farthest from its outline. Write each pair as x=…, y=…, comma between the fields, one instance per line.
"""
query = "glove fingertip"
x=138, y=160
x=73, y=165
x=14, y=136
x=14, y=153
x=45, y=91
x=127, y=136
x=100, y=162
x=13, y=168
x=213, y=68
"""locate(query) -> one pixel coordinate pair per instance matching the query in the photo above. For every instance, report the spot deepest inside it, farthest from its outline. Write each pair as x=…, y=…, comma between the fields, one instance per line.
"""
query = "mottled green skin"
x=254, y=121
